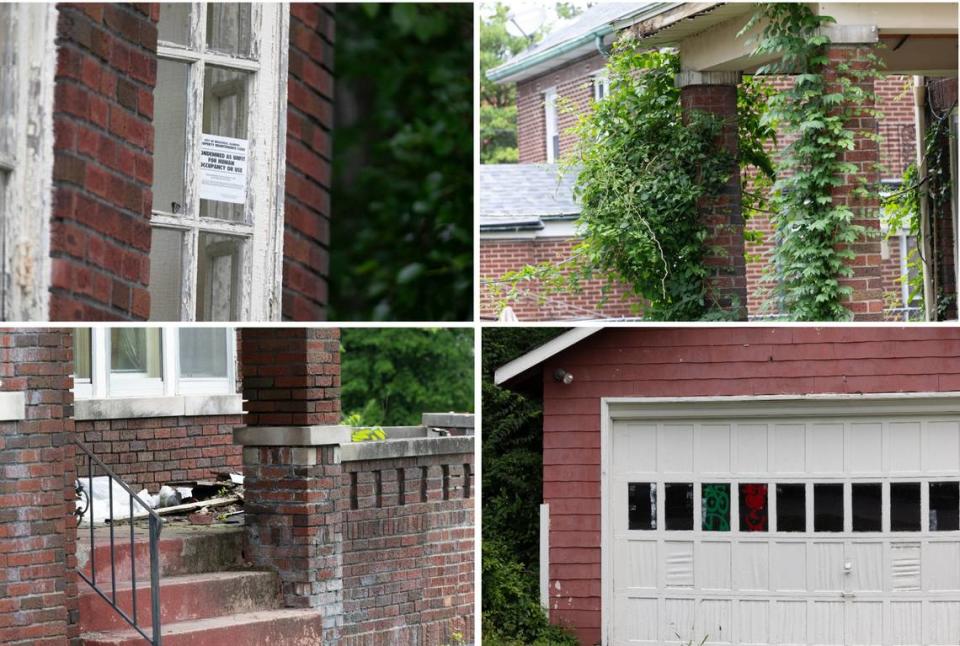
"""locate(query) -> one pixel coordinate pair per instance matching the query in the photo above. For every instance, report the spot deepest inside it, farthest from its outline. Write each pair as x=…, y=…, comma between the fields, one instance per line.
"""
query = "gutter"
x=510, y=69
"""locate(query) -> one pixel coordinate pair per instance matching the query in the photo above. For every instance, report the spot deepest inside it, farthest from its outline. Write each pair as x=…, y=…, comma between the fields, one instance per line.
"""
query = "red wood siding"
x=689, y=362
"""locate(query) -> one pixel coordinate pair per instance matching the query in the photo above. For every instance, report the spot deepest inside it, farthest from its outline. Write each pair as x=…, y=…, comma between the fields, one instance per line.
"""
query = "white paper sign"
x=223, y=169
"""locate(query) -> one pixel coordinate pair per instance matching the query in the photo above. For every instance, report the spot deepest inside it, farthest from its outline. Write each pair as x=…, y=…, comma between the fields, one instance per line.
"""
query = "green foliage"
x=390, y=376
x=814, y=232
x=512, y=485
x=401, y=240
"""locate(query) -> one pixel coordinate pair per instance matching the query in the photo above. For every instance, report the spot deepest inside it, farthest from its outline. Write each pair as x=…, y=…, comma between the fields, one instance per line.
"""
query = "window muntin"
x=753, y=507
x=905, y=506
x=715, y=507
x=221, y=71
x=828, y=507
x=944, y=506
x=791, y=507
x=550, y=117
x=146, y=362
x=641, y=506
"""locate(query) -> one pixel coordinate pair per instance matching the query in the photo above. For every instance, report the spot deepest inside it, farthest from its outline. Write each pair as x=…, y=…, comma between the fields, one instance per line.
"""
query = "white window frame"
x=259, y=277
x=601, y=85
x=104, y=385
x=26, y=191
x=550, y=121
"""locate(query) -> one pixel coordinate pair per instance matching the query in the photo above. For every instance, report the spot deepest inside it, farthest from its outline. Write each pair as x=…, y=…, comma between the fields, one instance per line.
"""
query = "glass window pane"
x=203, y=352
x=828, y=507
x=228, y=27
x=753, y=507
x=867, y=502
x=170, y=136
x=678, y=506
x=642, y=505
x=136, y=350
x=81, y=353
x=218, y=269
x=715, y=500
x=225, y=111
x=165, y=274
x=791, y=507
x=905, y=506
x=174, y=25
x=944, y=506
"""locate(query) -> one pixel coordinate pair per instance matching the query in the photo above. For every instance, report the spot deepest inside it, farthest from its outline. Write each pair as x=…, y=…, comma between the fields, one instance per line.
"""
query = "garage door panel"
x=788, y=448
x=943, y=623
x=678, y=564
x=675, y=443
x=901, y=447
x=713, y=566
x=825, y=448
x=714, y=620
x=866, y=560
x=679, y=618
x=905, y=567
x=637, y=448
x=788, y=568
x=826, y=566
x=637, y=621
x=751, y=566
x=864, y=623
x=639, y=559
x=863, y=448
x=751, y=449
x=906, y=622
x=753, y=621
x=789, y=626
x=941, y=447
x=713, y=449
x=826, y=622
x=941, y=567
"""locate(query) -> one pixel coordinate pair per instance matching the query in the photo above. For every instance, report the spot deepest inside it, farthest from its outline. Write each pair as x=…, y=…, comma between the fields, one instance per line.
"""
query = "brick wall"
x=499, y=256
x=152, y=451
x=408, y=550
x=574, y=85
x=103, y=161
x=624, y=362
x=306, y=237
x=38, y=590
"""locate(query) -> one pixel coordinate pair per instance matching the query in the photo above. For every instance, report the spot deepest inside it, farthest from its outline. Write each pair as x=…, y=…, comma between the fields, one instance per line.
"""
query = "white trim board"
x=538, y=355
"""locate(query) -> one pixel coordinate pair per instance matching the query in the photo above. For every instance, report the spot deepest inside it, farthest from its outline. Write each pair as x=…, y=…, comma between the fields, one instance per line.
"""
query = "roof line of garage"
x=540, y=354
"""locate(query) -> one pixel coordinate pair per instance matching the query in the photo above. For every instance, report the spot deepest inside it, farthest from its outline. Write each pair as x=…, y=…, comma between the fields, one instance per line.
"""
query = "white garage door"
x=782, y=522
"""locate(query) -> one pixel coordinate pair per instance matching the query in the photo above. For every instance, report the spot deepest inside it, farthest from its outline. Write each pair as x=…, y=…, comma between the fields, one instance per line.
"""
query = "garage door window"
x=642, y=502
x=217, y=213
x=944, y=506
x=678, y=509
x=753, y=507
x=828, y=507
x=791, y=507
x=905, y=506
x=716, y=507
x=867, y=503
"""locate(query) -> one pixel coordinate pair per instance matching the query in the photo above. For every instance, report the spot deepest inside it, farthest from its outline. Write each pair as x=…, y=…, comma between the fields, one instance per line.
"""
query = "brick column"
x=866, y=301
x=716, y=93
x=291, y=380
x=38, y=583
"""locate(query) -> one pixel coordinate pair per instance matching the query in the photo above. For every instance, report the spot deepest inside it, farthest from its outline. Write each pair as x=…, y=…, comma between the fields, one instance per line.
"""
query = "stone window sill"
x=175, y=406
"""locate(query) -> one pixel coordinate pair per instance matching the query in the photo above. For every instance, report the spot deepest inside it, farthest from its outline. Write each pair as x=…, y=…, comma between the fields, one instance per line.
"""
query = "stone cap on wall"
x=449, y=420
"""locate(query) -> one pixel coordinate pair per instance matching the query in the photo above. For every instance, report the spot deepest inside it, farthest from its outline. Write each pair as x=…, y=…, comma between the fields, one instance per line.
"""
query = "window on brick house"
x=909, y=304
x=219, y=116
x=550, y=116
x=27, y=63
x=153, y=362
x=601, y=86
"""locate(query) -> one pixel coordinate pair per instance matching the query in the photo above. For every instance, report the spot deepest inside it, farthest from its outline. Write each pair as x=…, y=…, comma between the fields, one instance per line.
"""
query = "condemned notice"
x=223, y=169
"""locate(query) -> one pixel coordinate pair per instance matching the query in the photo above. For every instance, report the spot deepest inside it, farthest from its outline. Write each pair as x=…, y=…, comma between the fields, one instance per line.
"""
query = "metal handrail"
x=156, y=525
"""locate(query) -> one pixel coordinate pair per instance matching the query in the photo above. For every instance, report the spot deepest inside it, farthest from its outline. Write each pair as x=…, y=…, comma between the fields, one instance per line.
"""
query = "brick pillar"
x=866, y=301
x=291, y=381
x=38, y=583
x=716, y=92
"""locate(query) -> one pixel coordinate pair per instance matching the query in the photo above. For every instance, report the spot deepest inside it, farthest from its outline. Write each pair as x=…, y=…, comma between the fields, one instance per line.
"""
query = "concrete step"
x=290, y=627
x=183, y=550
x=182, y=598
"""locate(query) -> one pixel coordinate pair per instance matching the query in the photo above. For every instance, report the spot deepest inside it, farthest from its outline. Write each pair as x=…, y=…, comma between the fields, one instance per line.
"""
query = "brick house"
x=761, y=485
x=567, y=69
x=165, y=161
x=342, y=542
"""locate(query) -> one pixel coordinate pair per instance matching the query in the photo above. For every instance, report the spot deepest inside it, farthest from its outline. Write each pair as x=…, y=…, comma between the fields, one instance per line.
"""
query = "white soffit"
x=538, y=355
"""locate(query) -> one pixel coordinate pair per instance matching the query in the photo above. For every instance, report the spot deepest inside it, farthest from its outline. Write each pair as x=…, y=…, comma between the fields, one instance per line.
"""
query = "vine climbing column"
x=716, y=92
x=849, y=52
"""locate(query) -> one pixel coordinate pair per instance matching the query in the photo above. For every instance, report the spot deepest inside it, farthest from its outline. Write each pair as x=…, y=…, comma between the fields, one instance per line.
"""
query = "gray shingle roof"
x=522, y=195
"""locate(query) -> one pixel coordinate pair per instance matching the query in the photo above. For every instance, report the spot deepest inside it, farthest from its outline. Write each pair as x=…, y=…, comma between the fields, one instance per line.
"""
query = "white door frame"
x=827, y=405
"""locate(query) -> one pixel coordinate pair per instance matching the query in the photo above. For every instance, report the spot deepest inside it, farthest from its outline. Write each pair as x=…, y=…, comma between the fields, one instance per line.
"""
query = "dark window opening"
x=905, y=507
x=944, y=506
x=791, y=508
x=828, y=507
x=716, y=507
x=678, y=510
x=753, y=507
x=867, y=503
x=642, y=505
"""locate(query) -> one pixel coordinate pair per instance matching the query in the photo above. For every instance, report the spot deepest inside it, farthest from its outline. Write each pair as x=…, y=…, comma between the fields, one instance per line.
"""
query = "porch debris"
x=96, y=504
x=200, y=504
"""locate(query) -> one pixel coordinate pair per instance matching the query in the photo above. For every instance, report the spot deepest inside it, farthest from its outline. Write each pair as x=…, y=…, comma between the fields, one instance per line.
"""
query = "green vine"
x=814, y=230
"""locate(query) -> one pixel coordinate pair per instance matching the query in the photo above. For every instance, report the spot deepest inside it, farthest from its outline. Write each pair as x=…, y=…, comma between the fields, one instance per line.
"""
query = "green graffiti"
x=716, y=507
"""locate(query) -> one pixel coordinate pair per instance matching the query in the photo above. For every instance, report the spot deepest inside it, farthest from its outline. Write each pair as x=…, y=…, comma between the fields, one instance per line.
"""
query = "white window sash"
x=104, y=384
x=550, y=115
x=261, y=257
